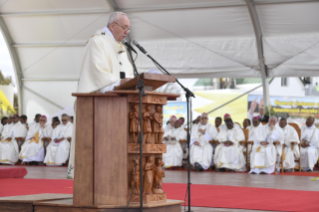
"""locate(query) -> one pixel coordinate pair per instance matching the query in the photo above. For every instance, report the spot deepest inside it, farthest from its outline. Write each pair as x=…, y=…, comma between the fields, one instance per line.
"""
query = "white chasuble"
x=58, y=153
x=174, y=152
x=33, y=149
x=202, y=153
x=290, y=154
x=263, y=157
x=9, y=150
x=309, y=155
x=104, y=59
x=231, y=157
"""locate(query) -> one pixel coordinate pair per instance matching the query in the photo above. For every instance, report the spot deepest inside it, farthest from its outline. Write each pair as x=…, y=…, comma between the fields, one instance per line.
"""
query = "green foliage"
x=5, y=80
x=269, y=111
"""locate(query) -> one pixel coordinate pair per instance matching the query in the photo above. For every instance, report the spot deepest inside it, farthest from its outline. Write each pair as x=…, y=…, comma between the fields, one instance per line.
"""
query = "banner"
x=178, y=109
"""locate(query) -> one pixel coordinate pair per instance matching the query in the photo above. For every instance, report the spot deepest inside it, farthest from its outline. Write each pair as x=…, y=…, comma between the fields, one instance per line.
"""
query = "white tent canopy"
x=202, y=38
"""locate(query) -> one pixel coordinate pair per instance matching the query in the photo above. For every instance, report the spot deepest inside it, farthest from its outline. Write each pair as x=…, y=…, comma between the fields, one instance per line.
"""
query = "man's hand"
x=165, y=138
x=264, y=143
x=253, y=106
x=197, y=143
x=276, y=142
x=202, y=131
x=69, y=139
x=173, y=138
x=228, y=143
x=261, y=104
x=9, y=139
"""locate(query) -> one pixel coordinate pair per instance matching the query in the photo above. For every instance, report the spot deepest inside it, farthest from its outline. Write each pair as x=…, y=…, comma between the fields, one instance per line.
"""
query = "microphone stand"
x=140, y=86
x=188, y=95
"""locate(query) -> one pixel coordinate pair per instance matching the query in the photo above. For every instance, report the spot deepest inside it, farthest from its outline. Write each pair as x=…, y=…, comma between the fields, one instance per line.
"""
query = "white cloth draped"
x=203, y=153
x=231, y=157
x=168, y=127
x=174, y=152
x=58, y=153
x=32, y=151
x=6, y=131
x=9, y=150
x=291, y=135
x=309, y=155
x=263, y=158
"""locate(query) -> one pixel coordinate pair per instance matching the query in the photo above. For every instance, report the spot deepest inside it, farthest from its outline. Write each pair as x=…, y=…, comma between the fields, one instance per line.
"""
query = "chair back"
x=294, y=125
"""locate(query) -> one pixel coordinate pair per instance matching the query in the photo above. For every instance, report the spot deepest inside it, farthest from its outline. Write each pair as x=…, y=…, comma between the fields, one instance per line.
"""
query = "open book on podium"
x=107, y=136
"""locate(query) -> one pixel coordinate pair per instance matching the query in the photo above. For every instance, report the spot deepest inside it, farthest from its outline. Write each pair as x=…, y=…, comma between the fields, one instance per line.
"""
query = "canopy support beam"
x=15, y=62
x=261, y=60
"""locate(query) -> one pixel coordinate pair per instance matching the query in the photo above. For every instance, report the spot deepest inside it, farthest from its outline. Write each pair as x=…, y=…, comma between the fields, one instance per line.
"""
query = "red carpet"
x=202, y=195
x=13, y=172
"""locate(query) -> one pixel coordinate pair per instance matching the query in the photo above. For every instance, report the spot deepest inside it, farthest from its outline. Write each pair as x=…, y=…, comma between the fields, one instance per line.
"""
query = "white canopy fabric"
x=202, y=38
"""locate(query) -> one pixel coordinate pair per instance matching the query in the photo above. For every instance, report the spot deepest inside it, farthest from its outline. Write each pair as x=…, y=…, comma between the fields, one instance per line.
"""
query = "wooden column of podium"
x=104, y=151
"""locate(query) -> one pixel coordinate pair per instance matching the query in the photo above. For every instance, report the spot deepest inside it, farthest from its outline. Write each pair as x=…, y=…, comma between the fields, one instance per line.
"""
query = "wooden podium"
x=105, y=150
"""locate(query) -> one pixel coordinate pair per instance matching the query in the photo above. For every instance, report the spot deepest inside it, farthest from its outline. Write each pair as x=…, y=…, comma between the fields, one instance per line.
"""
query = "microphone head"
x=135, y=42
x=124, y=41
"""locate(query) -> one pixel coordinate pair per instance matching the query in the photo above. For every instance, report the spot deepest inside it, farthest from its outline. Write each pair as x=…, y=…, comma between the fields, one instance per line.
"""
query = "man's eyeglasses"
x=204, y=118
x=124, y=28
x=64, y=120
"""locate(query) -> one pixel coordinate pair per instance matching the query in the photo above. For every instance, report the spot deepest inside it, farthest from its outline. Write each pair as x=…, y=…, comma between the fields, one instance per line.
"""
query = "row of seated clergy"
x=33, y=145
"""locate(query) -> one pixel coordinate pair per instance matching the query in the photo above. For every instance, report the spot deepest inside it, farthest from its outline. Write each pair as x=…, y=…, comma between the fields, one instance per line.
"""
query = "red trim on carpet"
x=13, y=172
x=202, y=195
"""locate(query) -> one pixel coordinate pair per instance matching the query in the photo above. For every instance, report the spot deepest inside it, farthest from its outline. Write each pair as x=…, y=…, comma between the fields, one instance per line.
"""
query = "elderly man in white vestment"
x=59, y=148
x=309, y=145
x=9, y=149
x=229, y=153
x=32, y=150
x=291, y=152
x=104, y=58
x=264, y=154
x=171, y=124
x=201, y=151
x=174, y=152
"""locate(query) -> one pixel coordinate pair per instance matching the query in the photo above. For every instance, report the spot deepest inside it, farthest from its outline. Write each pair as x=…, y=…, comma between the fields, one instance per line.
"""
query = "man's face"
x=256, y=122
x=37, y=119
x=120, y=28
x=22, y=120
x=172, y=121
x=5, y=121
x=272, y=122
x=204, y=119
x=246, y=123
x=16, y=119
x=226, y=118
x=217, y=122
x=309, y=121
x=182, y=119
x=9, y=120
x=261, y=111
x=43, y=121
x=282, y=123
x=177, y=124
x=229, y=125
x=65, y=120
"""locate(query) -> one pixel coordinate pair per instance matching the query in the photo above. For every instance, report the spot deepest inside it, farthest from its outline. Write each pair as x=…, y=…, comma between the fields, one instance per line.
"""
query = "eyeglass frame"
x=124, y=28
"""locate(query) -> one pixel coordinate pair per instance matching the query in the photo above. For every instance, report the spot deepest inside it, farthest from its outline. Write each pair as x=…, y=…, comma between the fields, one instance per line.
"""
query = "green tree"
x=5, y=80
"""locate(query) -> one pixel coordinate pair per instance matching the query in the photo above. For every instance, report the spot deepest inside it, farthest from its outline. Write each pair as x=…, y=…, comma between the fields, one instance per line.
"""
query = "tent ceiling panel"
x=289, y=19
x=56, y=62
x=51, y=5
x=142, y=4
x=57, y=92
x=54, y=28
x=195, y=23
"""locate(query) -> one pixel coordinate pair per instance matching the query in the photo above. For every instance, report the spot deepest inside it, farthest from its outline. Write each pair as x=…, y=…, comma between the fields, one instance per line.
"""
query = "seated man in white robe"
x=229, y=153
x=36, y=121
x=59, y=149
x=174, y=152
x=32, y=150
x=218, y=122
x=9, y=149
x=291, y=151
x=309, y=144
x=171, y=124
x=246, y=124
x=201, y=151
x=7, y=128
x=264, y=155
x=226, y=117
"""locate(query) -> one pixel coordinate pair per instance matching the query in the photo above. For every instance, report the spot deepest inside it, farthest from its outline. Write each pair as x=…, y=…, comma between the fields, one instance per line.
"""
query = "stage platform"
x=42, y=201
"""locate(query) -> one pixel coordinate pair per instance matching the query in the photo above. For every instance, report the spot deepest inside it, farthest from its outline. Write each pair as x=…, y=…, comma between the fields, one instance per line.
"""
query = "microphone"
x=124, y=42
x=139, y=47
